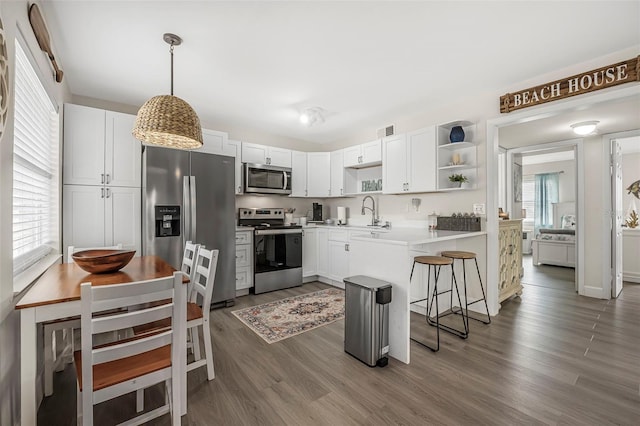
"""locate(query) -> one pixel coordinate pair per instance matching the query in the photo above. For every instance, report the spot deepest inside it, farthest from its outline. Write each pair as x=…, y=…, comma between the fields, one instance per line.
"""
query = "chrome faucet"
x=374, y=219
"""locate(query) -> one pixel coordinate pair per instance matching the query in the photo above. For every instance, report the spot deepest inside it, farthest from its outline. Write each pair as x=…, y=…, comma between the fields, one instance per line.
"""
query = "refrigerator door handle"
x=192, y=187
x=286, y=180
x=186, y=214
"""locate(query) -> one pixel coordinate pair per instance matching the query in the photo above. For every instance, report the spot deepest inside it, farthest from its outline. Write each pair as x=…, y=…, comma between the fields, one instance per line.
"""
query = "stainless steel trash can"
x=366, y=323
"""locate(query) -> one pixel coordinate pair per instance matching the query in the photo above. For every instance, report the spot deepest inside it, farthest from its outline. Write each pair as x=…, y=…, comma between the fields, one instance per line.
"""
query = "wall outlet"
x=479, y=209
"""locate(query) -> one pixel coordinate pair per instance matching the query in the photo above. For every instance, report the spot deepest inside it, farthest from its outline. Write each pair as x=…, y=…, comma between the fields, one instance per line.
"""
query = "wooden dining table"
x=56, y=295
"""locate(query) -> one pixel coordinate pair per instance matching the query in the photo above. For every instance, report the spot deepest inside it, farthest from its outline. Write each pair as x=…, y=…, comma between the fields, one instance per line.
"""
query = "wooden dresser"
x=510, y=258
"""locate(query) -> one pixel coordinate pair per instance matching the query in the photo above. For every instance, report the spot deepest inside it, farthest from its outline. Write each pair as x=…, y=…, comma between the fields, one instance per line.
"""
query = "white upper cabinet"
x=364, y=155
x=99, y=148
x=337, y=174
x=394, y=164
x=262, y=154
x=298, y=174
x=318, y=174
x=421, y=146
x=215, y=142
x=233, y=149
x=409, y=162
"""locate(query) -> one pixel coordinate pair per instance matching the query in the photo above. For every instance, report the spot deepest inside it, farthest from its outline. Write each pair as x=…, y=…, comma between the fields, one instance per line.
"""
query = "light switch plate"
x=479, y=209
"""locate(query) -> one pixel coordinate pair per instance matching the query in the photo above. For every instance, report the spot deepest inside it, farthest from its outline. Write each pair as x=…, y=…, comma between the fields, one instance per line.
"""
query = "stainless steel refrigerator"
x=189, y=196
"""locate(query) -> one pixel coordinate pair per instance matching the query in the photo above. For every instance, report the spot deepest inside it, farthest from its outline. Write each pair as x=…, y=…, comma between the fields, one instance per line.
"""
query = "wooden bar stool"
x=437, y=262
x=463, y=256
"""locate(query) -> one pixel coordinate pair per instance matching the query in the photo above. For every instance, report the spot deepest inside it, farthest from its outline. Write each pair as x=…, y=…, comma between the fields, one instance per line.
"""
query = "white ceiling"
x=256, y=64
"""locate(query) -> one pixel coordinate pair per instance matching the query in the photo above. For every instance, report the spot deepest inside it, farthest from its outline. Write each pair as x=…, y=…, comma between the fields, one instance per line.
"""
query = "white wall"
x=566, y=180
x=14, y=18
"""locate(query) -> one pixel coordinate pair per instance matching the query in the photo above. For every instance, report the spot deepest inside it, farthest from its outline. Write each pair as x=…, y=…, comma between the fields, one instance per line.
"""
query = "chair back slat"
x=123, y=320
x=150, y=289
x=109, y=304
x=189, y=257
x=204, y=276
x=157, y=289
x=74, y=249
x=130, y=348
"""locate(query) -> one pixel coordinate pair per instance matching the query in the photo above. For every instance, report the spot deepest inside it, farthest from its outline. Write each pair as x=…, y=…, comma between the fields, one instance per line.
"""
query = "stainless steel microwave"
x=266, y=179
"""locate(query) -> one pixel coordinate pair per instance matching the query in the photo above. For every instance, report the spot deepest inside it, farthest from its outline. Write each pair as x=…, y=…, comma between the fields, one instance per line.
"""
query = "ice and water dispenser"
x=167, y=220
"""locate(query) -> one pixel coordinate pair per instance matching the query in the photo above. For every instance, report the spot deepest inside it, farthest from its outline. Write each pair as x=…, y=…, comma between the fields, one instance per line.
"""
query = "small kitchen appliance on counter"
x=317, y=213
x=277, y=249
x=342, y=215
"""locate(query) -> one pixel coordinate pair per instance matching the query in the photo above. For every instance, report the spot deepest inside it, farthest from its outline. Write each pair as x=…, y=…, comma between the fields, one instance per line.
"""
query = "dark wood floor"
x=550, y=357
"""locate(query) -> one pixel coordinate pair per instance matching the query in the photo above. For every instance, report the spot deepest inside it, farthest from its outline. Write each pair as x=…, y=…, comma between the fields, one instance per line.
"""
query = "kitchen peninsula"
x=389, y=257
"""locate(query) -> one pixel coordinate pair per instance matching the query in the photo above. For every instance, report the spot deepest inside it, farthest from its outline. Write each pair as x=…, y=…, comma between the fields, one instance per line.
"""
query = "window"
x=35, y=169
x=529, y=198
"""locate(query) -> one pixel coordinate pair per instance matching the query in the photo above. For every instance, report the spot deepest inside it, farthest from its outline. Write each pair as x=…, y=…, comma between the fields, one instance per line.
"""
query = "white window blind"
x=35, y=168
x=529, y=196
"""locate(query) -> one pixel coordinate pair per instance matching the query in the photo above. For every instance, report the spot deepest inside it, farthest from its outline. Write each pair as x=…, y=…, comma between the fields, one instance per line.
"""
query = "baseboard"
x=596, y=292
x=309, y=279
x=632, y=277
x=334, y=283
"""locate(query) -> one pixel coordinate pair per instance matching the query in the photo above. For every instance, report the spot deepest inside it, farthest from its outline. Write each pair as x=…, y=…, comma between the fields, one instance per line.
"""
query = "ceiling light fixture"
x=311, y=116
x=167, y=120
x=585, y=128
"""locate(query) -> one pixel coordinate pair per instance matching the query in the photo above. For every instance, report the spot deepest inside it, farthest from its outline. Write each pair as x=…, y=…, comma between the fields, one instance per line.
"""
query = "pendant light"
x=167, y=120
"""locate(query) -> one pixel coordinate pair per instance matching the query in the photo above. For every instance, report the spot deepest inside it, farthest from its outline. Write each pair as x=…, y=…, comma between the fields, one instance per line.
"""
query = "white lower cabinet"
x=323, y=253
x=309, y=252
x=244, y=260
x=95, y=216
x=338, y=260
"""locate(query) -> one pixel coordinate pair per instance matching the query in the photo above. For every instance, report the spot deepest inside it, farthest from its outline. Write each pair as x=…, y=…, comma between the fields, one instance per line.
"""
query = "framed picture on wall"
x=517, y=182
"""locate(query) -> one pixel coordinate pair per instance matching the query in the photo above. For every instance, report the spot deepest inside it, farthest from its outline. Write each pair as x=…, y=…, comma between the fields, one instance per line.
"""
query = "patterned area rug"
x=288, y=317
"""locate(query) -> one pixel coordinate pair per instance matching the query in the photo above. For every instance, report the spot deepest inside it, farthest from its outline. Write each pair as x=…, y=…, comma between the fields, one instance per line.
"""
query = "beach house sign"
x=601, y=78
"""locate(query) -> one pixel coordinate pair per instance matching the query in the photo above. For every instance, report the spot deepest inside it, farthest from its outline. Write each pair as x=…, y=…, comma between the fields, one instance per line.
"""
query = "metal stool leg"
x=463, y=334
x=436, y=273
x=484, y=297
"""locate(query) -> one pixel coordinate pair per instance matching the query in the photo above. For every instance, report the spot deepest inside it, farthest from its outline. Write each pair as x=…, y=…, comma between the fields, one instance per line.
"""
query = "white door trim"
x=607, y=197
x=492, y=126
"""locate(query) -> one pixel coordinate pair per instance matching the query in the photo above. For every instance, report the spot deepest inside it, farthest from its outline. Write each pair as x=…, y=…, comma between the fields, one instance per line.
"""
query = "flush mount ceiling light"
x=167, y=120
x=585, y=128
x=311, y=116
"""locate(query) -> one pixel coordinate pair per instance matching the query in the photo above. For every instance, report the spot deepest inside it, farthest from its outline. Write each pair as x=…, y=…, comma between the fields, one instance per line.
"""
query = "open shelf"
x=463, y=154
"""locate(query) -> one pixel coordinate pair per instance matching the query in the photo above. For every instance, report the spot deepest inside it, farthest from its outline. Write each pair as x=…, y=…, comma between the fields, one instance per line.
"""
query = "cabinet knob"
x=346, y=247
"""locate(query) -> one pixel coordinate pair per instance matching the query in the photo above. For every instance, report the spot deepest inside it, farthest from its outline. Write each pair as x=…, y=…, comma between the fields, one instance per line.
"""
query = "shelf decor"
x=458, y=180
x=457, y=134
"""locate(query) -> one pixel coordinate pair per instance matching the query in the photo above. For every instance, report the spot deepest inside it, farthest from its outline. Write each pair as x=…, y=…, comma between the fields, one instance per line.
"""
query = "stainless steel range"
x=277, y=249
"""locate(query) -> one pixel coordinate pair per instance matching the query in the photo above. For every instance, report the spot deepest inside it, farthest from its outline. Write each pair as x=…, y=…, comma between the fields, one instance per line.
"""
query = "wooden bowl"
x=103, y=261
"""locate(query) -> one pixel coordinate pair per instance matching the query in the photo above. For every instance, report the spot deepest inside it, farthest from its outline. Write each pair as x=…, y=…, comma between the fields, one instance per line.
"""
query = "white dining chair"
x=107, y=371
x=58, y=339
x=199, y=301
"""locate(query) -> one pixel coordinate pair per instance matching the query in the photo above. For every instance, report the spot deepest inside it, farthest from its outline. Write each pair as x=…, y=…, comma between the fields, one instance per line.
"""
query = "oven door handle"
x=278, y=231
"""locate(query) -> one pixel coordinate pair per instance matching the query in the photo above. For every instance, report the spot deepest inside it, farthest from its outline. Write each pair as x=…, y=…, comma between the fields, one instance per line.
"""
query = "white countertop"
x=408, y=236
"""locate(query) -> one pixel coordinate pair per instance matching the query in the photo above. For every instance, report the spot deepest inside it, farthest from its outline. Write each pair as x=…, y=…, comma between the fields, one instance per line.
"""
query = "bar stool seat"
x=463, y=256
x=437, y=262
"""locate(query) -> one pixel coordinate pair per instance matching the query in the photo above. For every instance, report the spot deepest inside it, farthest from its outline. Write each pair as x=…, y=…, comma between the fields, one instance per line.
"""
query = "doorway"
x=600, y=249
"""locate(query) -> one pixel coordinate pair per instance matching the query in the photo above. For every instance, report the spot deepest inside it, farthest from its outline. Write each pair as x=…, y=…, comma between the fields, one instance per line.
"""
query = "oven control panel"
x=271, y=213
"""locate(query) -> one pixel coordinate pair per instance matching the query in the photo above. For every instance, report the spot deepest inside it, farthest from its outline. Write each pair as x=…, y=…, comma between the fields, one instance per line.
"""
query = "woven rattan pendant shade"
x=168, y=121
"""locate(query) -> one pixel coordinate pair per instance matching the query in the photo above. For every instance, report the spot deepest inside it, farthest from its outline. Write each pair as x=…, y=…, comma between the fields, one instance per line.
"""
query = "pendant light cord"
x=171, y=51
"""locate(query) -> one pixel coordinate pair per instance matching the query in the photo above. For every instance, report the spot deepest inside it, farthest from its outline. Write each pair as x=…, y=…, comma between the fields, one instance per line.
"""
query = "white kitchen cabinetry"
x=244, y=260
x=95, y=216
x=298, y=174
x=456, y=157
x=363, y=155
x=99, y=148
x=309, y=252
x=234, y=147
x=318, y=174
x=214, y=142
x=337, y=174
x=262, y=154
x=323, y=252
x=408, y=162
x=337, y=249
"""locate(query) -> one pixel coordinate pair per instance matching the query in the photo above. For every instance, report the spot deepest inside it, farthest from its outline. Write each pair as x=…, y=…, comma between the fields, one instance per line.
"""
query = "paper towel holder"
x=342, y=216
